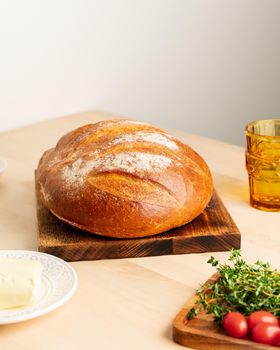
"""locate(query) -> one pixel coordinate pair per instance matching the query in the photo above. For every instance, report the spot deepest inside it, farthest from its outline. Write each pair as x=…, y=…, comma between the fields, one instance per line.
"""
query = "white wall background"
x=204, y=66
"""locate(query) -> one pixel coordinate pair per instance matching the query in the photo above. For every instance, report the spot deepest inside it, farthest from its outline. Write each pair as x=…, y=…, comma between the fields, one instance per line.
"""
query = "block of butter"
x=19, y=281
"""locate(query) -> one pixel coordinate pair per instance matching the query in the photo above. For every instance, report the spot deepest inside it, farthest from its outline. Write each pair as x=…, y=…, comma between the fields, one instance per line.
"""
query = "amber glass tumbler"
x=263, y=163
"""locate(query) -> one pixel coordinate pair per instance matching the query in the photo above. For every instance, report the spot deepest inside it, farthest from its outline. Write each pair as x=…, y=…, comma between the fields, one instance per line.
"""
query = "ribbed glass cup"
x=263, y=163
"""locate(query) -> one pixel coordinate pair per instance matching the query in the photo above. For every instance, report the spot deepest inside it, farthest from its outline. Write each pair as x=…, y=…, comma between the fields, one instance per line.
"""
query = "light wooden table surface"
x=128, y=303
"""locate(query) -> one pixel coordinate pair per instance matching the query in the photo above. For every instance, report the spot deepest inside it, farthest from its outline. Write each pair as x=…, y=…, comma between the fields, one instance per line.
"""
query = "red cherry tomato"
x=235, y=324
x=261, y=316
x=266, y=333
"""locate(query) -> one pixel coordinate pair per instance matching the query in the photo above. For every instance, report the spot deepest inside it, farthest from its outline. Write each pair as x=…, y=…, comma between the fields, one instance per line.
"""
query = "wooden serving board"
x=213, y=230
x=203, y=333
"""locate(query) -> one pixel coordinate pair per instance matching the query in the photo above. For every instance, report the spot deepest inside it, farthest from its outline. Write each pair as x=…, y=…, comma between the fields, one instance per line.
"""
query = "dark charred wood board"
x=203, y=333
x=212, y=231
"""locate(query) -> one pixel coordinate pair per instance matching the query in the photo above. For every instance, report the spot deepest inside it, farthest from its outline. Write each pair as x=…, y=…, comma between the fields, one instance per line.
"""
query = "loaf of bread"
x=123, y=179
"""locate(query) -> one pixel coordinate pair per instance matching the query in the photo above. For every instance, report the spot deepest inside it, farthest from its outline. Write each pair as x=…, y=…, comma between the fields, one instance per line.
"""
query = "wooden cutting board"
x=213, y=230
x=202, y=333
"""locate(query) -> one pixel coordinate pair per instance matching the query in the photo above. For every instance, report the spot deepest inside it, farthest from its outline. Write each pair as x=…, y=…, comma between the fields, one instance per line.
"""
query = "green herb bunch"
x=240, y=287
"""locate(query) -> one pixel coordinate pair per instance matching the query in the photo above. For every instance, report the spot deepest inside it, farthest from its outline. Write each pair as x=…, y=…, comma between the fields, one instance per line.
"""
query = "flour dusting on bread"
x=132, y=162
x=74, y=173
x=137, y=163
x=117, y=122
x=150, y=137
x=46, y=195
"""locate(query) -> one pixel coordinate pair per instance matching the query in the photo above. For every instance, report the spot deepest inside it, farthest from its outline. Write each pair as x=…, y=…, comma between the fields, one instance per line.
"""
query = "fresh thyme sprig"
x=240, y=287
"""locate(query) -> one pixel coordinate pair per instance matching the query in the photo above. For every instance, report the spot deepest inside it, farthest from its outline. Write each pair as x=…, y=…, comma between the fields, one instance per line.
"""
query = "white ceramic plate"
x=3, y=165
x=59, y=282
